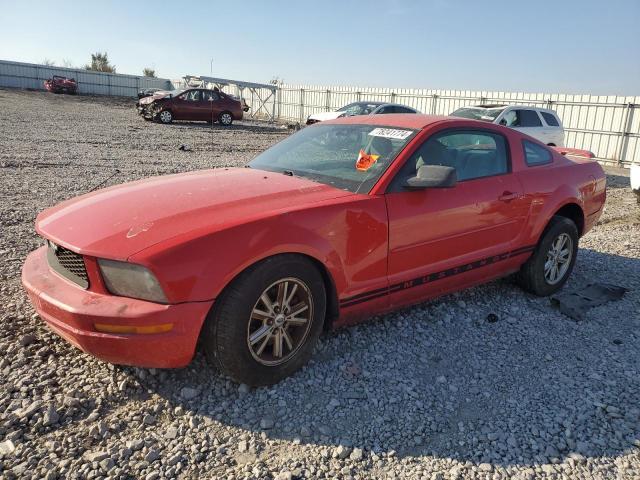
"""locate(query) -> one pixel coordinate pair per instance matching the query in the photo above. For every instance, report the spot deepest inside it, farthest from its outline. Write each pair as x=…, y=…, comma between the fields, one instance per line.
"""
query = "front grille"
x=68, y=264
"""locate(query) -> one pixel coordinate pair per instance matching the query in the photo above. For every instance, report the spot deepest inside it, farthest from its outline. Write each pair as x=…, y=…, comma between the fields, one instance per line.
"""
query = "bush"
x=100, y=63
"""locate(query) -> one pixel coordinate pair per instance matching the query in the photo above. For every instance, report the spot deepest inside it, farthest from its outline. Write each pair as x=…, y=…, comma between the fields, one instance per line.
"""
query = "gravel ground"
x=431, y=392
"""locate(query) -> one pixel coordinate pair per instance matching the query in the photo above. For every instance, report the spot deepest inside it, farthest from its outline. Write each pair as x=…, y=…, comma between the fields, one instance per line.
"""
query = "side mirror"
x=433, y=176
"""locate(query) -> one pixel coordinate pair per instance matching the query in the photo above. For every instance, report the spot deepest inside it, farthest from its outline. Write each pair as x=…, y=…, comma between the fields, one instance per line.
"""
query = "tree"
x=276, y=81
x=48, y=62
x=100, y=63
x=149, y=72
x=67, y=63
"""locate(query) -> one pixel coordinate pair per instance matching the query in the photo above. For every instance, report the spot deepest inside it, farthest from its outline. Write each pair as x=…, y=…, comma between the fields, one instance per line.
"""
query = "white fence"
x=609, y=126
x=29, y=75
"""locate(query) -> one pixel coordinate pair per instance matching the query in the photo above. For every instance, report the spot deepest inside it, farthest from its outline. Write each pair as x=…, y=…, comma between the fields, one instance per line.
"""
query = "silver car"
x=361, y=108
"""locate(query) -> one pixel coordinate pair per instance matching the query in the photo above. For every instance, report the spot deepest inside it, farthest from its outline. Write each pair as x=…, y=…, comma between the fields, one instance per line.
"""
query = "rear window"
x=535, y=154
x=551, y=119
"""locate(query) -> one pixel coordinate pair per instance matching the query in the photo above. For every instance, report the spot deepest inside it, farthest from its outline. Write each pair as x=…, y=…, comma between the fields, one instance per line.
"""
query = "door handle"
x=508, y=196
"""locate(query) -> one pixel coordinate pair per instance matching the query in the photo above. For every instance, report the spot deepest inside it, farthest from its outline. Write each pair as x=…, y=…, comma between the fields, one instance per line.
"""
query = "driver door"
x=438, y=236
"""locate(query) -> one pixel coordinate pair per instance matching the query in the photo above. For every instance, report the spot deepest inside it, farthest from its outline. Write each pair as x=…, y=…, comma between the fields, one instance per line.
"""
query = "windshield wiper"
x=288, y=172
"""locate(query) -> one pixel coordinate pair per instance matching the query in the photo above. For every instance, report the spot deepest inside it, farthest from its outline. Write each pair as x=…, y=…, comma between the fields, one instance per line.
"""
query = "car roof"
x=526, y=107
x=397, y=105
x=493, y=105
x=401, y=120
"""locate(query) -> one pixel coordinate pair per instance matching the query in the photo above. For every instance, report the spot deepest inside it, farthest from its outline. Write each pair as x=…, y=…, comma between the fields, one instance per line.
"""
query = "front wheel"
x=264, y=326
x=165, y=116
x=553, y=259
x=225, y=119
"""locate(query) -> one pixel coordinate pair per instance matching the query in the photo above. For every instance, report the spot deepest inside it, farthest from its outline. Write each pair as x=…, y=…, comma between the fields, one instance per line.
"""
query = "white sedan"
x=360, y=108
x=542, y=124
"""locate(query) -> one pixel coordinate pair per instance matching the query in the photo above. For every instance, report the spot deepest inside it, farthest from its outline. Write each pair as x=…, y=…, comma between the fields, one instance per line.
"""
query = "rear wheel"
x=553, y=259
x=225, y=119
x=264, y=326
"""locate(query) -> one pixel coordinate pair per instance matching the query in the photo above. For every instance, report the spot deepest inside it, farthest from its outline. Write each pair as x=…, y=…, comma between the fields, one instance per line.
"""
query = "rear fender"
x=564, y=195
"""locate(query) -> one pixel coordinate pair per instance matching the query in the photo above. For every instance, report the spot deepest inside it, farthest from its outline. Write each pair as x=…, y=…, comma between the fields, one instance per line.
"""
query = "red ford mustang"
x=342, y=220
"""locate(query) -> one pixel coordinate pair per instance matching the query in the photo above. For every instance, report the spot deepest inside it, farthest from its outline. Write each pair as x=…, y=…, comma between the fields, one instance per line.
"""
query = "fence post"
x=358, y=96
x=273, y=107
x=624, y=133
x=433, y=103
x=328, y=100
x=393, y=97
x=301, y=105
x=279, y=100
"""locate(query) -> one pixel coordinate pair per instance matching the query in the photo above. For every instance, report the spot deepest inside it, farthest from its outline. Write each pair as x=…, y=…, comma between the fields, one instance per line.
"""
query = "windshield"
x=487, y=114
x=359, y=108
x=350, y=157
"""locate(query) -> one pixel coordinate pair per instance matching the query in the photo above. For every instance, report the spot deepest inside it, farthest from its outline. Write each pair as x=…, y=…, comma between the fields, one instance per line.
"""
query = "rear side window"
x=404, y=110
x=210, y=96
x=535, y=154
x=551, y=119
x=529, y=118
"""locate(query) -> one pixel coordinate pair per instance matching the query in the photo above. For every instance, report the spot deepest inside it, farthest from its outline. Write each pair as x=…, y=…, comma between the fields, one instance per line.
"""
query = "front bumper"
x=72, y=312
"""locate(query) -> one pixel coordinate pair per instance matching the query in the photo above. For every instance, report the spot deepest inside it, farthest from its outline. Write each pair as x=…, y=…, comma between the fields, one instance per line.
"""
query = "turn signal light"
x=107, y=328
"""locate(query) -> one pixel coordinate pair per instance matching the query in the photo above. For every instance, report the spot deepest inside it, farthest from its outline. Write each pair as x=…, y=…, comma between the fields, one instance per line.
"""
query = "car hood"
x=119, y=221
x=322, y=116
x=155, y=96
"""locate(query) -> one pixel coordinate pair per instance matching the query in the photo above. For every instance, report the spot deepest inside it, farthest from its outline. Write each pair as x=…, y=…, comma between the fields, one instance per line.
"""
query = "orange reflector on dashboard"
x=365, y=161
x=107, y=328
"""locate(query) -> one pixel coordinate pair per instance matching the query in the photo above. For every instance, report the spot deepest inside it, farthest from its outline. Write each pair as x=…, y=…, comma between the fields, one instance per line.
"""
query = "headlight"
x=131, y=280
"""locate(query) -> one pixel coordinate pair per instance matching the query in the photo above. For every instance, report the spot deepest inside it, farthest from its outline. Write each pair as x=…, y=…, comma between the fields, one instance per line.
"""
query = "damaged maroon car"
x=60, y=84
x=197, y=104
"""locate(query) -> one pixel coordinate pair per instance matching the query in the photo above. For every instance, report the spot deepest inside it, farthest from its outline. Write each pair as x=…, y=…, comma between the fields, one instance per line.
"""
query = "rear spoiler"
x=574, y=152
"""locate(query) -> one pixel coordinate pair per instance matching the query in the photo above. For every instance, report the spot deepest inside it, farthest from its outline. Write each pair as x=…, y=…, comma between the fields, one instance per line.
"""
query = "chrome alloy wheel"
x=226, y=119
x=280, y=321
x=558, y=259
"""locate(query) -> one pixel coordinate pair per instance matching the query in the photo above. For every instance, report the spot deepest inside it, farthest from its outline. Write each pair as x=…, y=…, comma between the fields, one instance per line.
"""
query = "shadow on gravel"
x=439, y=379
x=617, y=181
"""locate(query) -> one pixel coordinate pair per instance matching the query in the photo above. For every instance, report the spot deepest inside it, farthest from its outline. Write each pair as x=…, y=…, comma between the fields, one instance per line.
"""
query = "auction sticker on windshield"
x=390, y=133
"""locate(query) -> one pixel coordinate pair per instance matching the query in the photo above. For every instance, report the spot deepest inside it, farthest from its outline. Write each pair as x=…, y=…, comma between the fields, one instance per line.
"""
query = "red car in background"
x=340, y=221
x=59, y=84
x=197, y=104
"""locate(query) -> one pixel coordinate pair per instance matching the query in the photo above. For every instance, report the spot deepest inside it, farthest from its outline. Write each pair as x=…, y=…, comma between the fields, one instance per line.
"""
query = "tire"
x=165, y=116
x=533, y=276
x=225, y=118
x=234, y=333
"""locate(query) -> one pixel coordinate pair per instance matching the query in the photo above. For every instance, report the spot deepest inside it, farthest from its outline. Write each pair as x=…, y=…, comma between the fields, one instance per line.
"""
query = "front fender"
x=351, y=242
